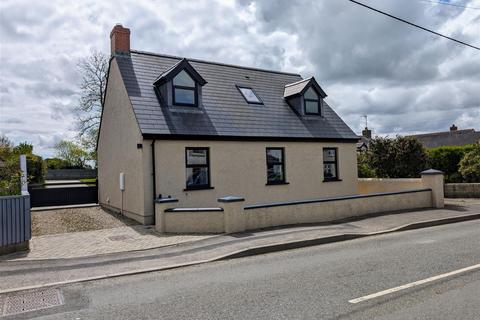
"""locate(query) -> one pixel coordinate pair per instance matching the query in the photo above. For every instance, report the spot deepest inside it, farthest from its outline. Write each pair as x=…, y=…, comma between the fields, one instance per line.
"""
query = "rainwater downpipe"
x=154, y=179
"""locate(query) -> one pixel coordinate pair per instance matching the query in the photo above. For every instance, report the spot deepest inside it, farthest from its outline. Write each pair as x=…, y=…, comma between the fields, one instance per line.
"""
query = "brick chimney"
x=453, y=128
x=367, y=133
x=120, y=40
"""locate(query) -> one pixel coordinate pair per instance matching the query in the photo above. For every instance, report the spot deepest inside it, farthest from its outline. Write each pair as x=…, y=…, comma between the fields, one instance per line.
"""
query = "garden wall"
x=462, y=190
x=70, y=174
x=375, y=185
x=233, y=216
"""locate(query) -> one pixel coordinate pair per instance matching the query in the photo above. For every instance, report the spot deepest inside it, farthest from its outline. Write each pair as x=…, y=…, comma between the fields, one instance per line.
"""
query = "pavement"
x=20, y=273
x=308, y=283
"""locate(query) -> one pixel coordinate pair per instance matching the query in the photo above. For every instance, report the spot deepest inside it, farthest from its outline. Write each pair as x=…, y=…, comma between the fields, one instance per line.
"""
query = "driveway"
x=76, y=220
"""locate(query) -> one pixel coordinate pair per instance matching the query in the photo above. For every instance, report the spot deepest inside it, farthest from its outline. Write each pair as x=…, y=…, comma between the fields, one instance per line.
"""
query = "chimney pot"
x=120, y=40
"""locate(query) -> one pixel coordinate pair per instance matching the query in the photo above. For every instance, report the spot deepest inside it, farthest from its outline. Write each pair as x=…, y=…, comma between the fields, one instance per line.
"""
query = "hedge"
x=447, y=159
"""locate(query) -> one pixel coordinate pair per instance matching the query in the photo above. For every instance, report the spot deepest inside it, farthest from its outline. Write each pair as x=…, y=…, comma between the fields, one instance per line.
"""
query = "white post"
x=23, y=178
x=433, y=179
x=162, y=204
x=234, y=214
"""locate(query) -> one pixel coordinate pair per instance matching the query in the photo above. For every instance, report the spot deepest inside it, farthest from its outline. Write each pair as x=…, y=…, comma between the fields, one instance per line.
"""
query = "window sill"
x=276, y=183
x=331, y=180
x=198, y=188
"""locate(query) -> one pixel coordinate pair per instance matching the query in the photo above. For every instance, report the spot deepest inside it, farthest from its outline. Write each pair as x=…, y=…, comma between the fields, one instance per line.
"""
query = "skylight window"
x=249, y=95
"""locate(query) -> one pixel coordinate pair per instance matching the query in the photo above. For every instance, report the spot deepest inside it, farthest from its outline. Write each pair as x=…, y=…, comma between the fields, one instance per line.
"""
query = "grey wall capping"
x=431, y=172
x=194, y=210
x=290, y=203
x=230, y=199
x=166, y=200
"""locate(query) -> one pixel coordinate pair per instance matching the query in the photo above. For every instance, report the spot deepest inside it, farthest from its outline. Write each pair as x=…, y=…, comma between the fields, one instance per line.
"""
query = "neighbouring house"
x=364, y=140
x=197, y=130
x=453, y=137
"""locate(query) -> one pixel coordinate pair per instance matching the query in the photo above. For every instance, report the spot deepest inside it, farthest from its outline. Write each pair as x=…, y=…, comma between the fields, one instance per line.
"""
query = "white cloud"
x=405, y=79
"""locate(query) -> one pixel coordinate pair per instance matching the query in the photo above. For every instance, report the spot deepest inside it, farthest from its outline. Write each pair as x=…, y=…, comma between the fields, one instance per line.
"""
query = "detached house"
x=198, y=130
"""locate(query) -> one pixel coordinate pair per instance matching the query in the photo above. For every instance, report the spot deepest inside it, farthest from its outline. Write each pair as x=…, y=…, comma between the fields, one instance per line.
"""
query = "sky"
x=405, y=79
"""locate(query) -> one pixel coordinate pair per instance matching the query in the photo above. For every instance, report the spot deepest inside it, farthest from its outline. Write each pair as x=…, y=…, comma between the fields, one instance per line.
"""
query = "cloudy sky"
x=404, y=79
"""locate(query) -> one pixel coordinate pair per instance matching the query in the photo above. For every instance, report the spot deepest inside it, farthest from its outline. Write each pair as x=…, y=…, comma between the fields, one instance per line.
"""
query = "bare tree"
x=94, y=78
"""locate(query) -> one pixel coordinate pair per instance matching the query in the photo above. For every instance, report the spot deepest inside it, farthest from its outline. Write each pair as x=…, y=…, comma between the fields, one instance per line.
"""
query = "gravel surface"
x=75, y=220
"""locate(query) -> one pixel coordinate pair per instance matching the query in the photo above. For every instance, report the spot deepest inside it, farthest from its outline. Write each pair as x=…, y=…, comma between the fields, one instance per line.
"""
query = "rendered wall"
x=335, y=210
x=194, y=222
x=239, y=168
x=118, y=152
x=281, y=214
x=375, y=185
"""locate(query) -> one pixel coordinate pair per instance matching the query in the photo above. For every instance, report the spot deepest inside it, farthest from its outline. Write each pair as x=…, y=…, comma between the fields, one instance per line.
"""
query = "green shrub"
x=56, y=163
x=364, y=170
x=470, y=165
x=35, y=168
x=447, y=159
x=10, y=175
x=401, y=157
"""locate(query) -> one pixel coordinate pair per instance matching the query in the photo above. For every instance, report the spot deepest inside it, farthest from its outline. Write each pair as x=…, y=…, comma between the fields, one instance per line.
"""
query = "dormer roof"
x=299, y=87
x=175, y=69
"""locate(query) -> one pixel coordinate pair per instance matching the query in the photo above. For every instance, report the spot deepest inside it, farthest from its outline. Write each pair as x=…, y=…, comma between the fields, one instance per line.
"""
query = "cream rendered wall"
x=375, y=185
x=239, y=168
x=117, y=152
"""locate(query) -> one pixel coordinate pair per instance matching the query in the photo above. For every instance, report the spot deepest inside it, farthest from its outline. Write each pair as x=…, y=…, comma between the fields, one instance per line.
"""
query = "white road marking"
x=414, y=284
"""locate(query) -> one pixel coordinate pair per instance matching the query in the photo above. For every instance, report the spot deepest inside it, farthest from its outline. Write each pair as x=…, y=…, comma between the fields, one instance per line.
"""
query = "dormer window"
x=249, y=95
x=180, y=85
x=312, y=102
x=305, y=97
x=184, y=90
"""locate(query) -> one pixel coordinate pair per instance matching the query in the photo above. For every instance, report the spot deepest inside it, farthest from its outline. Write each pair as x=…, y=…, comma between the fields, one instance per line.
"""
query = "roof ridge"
x=212, y=62
x=441, y=132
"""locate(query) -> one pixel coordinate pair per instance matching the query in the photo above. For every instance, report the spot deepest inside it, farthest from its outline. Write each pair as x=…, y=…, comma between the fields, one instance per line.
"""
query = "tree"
x=470, y=165
x=73, y=154
x=56, y=163
x=10, y=172
x=23, y=148
x=92, y=94
x=401, y=157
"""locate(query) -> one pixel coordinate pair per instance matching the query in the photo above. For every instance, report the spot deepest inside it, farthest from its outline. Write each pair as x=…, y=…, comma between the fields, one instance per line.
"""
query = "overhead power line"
x=452, y=4
x=414, y=25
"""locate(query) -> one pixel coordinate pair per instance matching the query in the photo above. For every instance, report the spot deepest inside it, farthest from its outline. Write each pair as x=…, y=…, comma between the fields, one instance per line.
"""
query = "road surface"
x=310, y=283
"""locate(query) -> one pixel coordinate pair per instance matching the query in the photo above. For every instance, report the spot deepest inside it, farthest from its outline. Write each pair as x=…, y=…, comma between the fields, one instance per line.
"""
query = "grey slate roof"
x=225, y=112
x=448, y=138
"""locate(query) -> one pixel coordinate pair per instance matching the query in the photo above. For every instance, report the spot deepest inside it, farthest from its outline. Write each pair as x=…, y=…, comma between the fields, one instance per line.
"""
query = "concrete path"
x=97, y=242
x=18, y=274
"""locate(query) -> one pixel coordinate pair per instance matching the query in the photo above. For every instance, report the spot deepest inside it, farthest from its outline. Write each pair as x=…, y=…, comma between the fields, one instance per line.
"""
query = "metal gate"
x=61, y=194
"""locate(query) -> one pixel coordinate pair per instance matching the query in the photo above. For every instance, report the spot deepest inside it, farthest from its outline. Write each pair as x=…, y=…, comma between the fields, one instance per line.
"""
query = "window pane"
x=274, y=155
x=183, y=79
x=311, y=106
x=329, y=170
x=329, y=154
x=275, y=173
x=197, y=176
x=249, y=95
x=196, y=156
x=311, y=94
x=184, y=96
